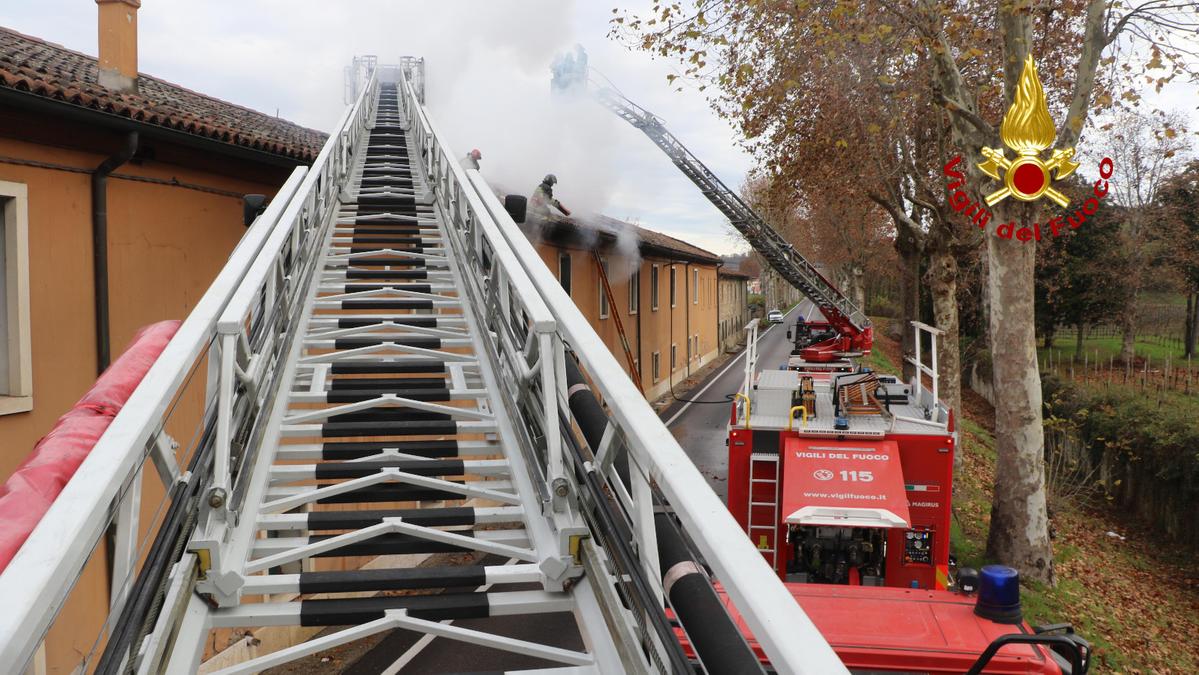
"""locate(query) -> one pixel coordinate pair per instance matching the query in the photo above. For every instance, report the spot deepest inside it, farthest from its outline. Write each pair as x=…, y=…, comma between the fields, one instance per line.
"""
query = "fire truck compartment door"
x=843, y=484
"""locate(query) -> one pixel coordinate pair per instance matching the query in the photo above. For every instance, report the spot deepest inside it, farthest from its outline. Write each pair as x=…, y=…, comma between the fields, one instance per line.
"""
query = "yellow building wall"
x=165, y=245
x=648, y=330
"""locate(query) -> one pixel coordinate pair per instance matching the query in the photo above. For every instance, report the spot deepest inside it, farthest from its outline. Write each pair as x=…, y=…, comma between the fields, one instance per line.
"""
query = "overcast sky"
x=488, y=87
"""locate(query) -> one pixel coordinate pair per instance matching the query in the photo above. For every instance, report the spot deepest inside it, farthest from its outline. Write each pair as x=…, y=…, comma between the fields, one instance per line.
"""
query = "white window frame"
x=656, y=360
x=16, y=393
x=674, y=287
x=634, y=292
x=695, y=286
x=604, y=307
x=655, y=281
x=674, y=357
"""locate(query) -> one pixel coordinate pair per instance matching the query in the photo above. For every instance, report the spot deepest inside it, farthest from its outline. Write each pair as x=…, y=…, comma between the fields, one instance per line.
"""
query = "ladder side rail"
x=786, y=634
x=255, y=327
x=41, y=575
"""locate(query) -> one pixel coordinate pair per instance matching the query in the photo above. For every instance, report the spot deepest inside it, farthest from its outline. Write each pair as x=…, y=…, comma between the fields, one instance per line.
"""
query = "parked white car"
x=774, y=316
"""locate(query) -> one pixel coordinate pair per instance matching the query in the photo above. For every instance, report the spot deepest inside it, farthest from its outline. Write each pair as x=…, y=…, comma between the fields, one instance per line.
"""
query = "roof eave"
x=42, y=104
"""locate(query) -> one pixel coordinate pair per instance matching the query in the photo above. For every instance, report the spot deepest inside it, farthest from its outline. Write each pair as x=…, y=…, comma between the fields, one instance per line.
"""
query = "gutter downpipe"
x=100, y=244
x=719, y=335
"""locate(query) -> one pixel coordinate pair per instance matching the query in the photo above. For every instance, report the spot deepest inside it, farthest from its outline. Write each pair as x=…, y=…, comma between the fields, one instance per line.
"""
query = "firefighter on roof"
x=543, y=198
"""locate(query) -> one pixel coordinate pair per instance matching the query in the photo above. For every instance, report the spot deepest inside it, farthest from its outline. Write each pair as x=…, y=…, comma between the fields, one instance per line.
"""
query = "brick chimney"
x=118, y=44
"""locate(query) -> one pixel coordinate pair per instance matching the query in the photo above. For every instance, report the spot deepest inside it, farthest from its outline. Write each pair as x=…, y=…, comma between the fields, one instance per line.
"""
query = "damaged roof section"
x=54, y=72
x=607, y=233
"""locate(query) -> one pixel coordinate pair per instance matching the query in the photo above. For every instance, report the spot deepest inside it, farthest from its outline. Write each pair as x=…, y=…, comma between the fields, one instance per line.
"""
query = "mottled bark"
x=943, y=286
x=1019, y=534
x=1128, y=329
x=1192, y=324
x=857, y=286
x=909, y=302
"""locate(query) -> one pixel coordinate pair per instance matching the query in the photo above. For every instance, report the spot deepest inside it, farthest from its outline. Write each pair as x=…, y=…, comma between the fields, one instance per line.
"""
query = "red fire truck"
x=843, y=479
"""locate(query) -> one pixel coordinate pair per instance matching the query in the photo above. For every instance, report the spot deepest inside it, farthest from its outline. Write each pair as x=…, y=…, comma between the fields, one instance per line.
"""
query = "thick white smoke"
x=492, y=92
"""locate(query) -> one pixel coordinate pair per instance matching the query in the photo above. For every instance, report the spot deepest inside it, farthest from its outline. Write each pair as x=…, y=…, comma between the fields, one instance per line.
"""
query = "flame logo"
x=1027, y=127
x=1028, y=130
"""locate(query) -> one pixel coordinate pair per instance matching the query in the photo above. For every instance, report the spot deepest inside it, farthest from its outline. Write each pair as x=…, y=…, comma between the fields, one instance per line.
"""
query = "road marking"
x=724, y=370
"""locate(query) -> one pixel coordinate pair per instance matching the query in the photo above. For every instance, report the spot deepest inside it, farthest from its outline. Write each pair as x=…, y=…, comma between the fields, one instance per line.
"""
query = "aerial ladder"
x=385, y=414
x=853, y=328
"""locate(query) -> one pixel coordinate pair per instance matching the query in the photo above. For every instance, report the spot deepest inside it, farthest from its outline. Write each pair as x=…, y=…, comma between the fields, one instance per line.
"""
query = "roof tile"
x=55, y=72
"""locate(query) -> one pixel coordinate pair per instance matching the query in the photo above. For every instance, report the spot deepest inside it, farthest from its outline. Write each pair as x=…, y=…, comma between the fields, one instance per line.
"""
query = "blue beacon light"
x=999, y=594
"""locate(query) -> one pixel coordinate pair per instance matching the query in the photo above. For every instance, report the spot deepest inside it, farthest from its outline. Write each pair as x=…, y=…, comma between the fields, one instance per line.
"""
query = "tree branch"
x=1093, y=42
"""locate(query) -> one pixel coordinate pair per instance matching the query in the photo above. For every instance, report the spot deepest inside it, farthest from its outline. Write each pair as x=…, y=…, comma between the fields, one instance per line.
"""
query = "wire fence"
x=1150, y=374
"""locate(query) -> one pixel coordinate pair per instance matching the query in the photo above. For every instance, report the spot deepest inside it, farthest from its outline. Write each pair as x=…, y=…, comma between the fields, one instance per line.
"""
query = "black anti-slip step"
x=349, y=581
x=390, y=493
x=360, y=383
x=399, y=248
x=367, y=394
x=363, y=288
x=353, y=520
x=408, y=229
x=375, y=201
x=419, y=242
x=387, y=544
x=351, y=611
x=388, y=415
x=389, y=428
x=386, y=304
x=340, y=451
x=419, y=467
x=381, y=169
x=421, y=321
x=387, y=274
x=397, y=260
x=345, y=368
x=387, y=181
x=356, y=342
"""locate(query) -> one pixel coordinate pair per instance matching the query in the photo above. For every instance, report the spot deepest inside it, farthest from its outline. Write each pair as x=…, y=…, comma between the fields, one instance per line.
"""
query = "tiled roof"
x=654, y=239
x=55, y=72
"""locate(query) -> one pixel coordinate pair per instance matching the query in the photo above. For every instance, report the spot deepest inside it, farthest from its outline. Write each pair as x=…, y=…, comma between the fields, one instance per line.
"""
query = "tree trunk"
x=857, y=286
x=1128, y=325
x=908, y=248
x=1191, y=323
x=1078, y=338
x=1048, y=337
x=1019, y=534
x=943, y=285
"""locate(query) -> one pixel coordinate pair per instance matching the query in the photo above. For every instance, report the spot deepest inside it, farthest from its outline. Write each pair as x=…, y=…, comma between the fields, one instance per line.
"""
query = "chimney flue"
x=118, y=44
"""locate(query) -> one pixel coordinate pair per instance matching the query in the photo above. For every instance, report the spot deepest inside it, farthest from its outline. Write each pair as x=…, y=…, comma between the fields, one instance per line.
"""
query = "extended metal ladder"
x=388, y=412
x=764, y=239
x=387, y=363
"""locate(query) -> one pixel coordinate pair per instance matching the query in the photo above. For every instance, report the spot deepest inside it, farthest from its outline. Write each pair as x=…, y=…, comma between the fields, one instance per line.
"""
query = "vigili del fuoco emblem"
x=1028, y=130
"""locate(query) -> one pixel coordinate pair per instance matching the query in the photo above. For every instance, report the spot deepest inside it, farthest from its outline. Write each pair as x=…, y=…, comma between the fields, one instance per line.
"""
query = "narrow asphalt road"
x=701, y=427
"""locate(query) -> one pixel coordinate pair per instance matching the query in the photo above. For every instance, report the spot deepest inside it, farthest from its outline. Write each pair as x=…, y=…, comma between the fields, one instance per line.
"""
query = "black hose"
x=145, y=592
x=713, y=634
